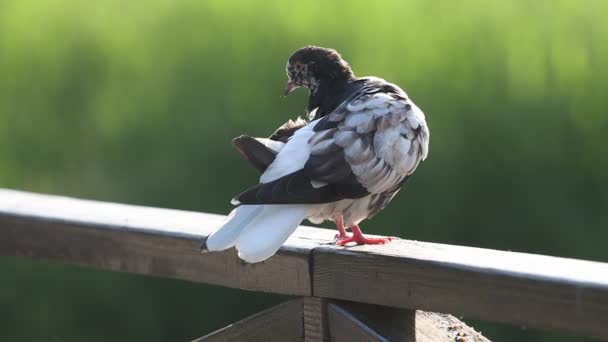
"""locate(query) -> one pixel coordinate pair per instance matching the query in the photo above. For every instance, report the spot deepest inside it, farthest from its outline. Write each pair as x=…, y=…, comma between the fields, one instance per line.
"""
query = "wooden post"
x=315, y=319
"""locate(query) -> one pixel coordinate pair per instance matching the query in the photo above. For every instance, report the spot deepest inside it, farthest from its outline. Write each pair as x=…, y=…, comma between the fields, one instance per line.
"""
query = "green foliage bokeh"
x=136, y=102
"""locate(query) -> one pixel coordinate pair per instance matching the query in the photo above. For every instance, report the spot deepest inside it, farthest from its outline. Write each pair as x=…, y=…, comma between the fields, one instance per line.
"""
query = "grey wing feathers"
x=382, y=136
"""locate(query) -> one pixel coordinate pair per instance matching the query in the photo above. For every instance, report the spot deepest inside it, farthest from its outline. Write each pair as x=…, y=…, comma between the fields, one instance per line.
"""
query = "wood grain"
x=435, y=327
x=315, y=319
x=148, y=241
x=368, y=322
x=532, y=290
x=279, y=323
x=517, y=288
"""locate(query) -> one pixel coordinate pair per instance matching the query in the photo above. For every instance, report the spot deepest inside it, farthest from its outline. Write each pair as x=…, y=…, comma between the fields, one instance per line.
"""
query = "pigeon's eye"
x=298, y=66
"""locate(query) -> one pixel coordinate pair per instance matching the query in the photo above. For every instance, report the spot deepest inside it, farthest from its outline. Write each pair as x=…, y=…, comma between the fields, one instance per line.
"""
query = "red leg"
x=359, y=239
x=340, y=225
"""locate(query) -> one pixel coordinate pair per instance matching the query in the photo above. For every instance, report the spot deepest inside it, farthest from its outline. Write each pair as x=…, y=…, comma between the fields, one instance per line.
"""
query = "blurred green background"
x=136, y=102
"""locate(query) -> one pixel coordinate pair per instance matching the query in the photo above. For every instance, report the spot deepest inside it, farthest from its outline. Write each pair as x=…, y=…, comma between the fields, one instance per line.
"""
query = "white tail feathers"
x=271, y=228
x=258, y=231
x=225, y=237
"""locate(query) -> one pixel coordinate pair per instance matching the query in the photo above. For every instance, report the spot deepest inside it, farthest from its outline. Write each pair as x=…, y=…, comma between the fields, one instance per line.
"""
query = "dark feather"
x=285, y=132
x=296, y=188
x=256, y=153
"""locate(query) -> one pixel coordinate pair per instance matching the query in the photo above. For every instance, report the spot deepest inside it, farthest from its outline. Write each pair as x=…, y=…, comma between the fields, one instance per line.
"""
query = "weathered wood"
x=315, y=319
x=523, y=289
x=149, y=241
x=436, y=327
x=349, y=321
x=282, y=322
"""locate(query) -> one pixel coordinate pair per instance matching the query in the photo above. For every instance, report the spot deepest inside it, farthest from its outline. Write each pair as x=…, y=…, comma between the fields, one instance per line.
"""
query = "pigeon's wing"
x=369, y=144
x=287, y=130
x=259, y=153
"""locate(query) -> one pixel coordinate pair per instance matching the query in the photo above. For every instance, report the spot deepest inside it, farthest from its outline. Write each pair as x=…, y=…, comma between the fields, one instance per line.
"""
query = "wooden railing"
x=371, y=293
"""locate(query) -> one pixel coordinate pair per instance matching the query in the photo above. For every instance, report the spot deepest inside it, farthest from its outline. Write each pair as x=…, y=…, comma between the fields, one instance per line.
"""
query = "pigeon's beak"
x=291, y=86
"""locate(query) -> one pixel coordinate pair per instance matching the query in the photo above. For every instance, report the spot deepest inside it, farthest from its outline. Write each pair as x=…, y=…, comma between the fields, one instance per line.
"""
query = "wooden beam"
x=523, y=289
x=282, y=322
x=141, y=240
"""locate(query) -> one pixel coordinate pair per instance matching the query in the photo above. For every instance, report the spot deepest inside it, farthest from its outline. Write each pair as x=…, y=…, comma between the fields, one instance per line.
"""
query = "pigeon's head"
x=312, y=66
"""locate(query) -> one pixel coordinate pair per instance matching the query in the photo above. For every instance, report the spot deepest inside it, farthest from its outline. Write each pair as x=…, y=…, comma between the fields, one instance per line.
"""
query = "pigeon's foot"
x=342, y=236
x=342, y=231
x=359, y=239
x=362, y=240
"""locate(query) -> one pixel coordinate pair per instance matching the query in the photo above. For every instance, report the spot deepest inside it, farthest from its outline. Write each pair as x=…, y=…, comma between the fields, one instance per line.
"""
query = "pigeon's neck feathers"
x=327, y=96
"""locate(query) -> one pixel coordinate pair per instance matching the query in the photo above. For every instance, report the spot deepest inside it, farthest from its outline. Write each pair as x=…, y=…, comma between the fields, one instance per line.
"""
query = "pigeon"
x=363, y=139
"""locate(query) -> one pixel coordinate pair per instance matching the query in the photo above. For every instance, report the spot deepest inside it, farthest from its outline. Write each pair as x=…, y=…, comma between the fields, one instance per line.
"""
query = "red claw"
x=342, y=231
x=342, y=239
x=362, y=240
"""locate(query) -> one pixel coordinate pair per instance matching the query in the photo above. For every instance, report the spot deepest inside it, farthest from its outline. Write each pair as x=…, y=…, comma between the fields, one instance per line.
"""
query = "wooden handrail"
x=517, y=288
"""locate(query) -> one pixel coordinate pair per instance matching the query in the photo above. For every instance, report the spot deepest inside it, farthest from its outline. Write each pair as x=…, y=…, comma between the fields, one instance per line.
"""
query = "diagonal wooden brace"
x=314, y=319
